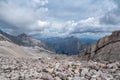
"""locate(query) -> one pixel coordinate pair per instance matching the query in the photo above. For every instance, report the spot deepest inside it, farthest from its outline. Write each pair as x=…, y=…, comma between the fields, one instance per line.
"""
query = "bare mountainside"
x=22, y=40
x=21, y=46
x=107, y=48
x=12, y=50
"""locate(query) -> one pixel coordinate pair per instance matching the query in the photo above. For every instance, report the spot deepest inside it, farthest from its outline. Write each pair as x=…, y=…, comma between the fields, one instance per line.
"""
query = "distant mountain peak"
x=23, y=35
x=1, y=31
x=72, y=36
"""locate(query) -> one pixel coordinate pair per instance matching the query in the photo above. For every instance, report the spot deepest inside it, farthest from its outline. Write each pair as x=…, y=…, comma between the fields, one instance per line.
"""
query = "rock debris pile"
x=57, y=68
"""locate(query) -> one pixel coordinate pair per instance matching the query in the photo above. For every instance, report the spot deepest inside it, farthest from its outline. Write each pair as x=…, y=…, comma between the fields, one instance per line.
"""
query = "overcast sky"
x=51, y=18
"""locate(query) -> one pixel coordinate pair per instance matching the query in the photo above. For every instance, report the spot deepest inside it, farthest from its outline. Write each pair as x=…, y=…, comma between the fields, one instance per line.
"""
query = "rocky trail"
x=57, y=67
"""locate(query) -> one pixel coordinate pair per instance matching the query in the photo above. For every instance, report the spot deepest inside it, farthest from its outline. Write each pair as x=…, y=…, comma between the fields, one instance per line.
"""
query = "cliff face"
x=107, y=48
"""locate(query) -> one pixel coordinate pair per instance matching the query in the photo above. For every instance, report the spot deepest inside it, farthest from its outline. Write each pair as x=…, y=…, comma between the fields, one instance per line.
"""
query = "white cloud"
x=43, y=24
x=40, y=2
x=24, y=15
x=79, y=9
x=88, y=27
x=89, y=22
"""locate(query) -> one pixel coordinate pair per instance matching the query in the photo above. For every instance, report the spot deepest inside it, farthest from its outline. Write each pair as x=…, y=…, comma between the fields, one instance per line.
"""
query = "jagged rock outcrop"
x=107, y=48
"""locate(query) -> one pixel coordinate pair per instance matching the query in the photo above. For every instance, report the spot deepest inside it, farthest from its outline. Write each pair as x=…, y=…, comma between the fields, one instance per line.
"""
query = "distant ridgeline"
x=69, y=46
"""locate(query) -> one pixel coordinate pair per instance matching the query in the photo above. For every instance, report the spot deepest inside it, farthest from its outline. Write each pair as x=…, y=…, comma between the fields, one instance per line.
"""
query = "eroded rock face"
x=107, y=48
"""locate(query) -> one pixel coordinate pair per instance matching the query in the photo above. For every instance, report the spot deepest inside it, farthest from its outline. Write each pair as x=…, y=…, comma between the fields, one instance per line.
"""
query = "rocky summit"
x=107, y=48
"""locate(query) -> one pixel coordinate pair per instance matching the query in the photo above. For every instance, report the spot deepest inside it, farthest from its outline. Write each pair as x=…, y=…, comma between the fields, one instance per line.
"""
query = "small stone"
x=46, y=76
x=84, y=71
x=62, y=76
x=50, y=69
x=77, y=71
x=57, y=78
x=57, y=65
x=76, y=78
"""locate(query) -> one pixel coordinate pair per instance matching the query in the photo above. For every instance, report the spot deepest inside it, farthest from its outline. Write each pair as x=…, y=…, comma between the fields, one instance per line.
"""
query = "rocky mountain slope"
x=107, y=48
x=21, y=46
x=22, y=40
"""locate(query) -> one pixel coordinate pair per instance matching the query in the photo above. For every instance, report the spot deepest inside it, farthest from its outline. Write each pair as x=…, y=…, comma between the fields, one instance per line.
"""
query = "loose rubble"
x=56, y=68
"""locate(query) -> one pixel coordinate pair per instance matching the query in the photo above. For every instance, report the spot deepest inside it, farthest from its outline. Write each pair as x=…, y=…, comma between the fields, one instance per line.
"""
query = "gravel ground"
x=57, y=68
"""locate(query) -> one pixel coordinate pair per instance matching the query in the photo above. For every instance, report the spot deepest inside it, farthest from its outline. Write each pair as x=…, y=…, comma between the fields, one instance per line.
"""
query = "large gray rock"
x=107, y=48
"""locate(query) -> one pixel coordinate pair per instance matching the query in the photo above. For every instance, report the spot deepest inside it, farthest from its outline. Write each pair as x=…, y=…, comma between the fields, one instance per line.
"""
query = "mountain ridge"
x=68, y=45
x=22, y=46
x=23, y=40
x=106, y=48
